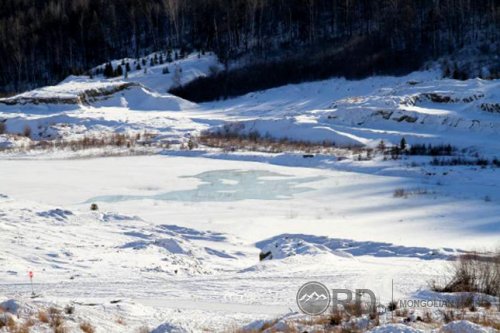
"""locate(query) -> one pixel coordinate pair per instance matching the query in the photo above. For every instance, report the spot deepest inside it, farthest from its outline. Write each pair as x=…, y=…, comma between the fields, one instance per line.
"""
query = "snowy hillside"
x=243, y=200
x=419, y=107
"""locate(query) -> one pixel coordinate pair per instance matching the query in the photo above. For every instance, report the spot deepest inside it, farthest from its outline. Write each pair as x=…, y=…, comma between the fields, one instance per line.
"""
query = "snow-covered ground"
x=176, y=240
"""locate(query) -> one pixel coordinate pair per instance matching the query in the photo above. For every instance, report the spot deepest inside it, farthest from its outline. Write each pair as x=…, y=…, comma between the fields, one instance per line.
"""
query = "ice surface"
x=229, y=185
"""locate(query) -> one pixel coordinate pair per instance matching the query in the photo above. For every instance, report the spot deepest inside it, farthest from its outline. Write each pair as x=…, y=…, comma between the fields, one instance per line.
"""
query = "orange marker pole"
x=31, y=282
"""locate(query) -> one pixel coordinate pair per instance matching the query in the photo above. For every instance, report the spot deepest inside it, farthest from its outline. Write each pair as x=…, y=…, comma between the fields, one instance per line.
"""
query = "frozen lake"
x=229, y=185
x=258, y=200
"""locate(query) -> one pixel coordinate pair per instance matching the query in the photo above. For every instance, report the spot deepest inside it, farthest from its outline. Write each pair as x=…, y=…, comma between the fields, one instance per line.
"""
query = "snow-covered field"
x=176, y=240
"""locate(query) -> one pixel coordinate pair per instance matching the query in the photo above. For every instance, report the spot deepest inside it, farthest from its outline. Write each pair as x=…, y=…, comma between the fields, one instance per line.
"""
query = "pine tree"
x=108, y=70
x=91, y=30
x=118, y=71
x=402, y=144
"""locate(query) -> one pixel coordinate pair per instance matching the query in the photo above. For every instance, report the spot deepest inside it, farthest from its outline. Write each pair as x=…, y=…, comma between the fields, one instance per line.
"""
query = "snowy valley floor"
x=177, y=239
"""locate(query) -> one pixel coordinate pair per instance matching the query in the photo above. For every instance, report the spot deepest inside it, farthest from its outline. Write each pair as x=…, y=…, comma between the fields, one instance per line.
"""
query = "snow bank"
x=140, y=98
x=464, y=326
x=13, y=141
x=74, y=91
x=168, y=328
x=283, y=246
x=394, y=328
x=11, y=305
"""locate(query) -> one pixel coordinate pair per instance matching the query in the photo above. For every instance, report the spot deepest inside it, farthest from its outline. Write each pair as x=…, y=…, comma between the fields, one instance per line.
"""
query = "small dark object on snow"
x=86, y=304
x=264, y=255
x=393, y=305
x=69, y=309
x=94, y=207
x=308, y=156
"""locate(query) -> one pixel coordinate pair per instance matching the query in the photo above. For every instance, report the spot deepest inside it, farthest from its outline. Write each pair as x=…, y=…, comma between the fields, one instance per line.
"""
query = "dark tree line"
x=43, y=41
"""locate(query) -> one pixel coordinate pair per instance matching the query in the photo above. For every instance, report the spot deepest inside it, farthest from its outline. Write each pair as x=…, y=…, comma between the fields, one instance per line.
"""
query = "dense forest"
x=41, y=42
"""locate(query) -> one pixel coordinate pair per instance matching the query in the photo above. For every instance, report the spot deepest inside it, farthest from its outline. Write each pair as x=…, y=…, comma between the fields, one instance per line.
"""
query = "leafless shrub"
x=354, y=308
x=487, y=321
x=373, y=314
x=268, y=324
x=192, y=144
x=87, y=327
x=22, y=329
x=12, y=326
x=89, y=142
x=289, y=328
x=474, y=273
x=56, y=318
x=27, y=131
x=11, y=323
x=231, y=140
x=427, y=318
x=465, y=301
x=448, y=315
x=29, y=322
x=61, y=329
x=400, y=193
x=336, y=317
x=43, y=317
x=405, y=193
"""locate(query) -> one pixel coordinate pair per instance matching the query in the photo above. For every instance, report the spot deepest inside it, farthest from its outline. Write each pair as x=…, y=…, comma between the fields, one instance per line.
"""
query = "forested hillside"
x=43, y=41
